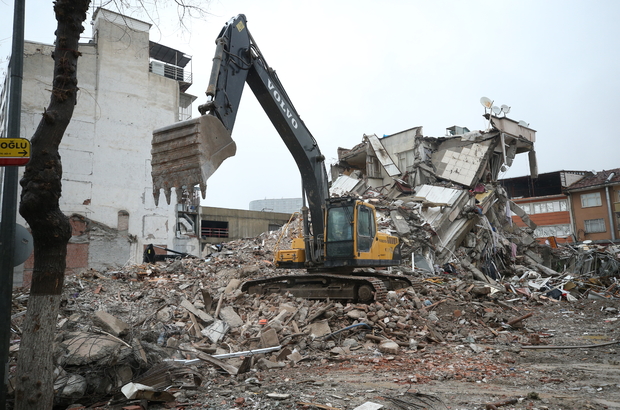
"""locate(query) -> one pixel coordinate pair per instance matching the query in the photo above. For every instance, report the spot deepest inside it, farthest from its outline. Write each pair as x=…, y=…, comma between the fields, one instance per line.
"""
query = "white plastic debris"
x=131, y=390
x=369, y=406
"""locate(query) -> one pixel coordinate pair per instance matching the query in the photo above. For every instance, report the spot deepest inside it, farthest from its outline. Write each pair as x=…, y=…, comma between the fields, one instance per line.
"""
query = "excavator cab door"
x=366, y=229
x=339, y=233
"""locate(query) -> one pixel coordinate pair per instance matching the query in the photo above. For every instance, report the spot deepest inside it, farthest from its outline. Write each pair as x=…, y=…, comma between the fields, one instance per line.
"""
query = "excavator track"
x=356, y=288
x=391, y=281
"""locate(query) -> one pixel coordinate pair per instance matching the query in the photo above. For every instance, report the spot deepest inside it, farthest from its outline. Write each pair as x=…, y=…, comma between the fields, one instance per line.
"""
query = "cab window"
x=365, y=229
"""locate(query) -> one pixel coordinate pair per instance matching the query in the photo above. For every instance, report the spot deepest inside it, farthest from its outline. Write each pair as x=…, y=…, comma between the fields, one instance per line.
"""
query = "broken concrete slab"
x=228, y=315
x=278, y=396
x=110, y=323
x=318, y=329
x=369, y=406
x=266, y=364
x=204, y=316
x=389, y=347
x=232, y=286
x=269, y=338
x=402, y=227
x=70, y=386
x=216, y=331
x=84, y=348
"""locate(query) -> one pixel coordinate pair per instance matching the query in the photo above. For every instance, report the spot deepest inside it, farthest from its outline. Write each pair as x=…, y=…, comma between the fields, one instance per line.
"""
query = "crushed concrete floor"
x=161, y=336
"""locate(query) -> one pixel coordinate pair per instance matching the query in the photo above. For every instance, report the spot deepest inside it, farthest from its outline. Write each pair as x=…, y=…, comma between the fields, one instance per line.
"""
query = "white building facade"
x=129, y=86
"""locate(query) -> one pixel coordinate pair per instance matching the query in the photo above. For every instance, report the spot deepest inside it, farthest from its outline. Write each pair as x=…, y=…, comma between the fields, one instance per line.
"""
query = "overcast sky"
x=366, y=67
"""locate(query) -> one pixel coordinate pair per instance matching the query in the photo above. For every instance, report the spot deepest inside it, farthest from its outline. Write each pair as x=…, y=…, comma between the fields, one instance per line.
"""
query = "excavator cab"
x=352, y=240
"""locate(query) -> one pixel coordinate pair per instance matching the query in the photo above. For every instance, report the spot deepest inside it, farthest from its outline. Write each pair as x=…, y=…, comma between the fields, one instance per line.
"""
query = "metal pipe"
x=610, y=213
x=347, y=328
x=230, y=355
x=9, y=196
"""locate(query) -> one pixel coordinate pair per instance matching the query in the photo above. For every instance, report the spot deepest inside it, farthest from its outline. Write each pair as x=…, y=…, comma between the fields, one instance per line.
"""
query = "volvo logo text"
x=283, y=106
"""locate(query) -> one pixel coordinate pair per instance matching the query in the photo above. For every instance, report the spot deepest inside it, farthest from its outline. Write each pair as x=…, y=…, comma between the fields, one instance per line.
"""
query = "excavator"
x=341, y=247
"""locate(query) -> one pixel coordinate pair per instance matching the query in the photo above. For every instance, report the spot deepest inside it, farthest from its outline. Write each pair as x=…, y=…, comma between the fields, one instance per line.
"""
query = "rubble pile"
x=165, y=332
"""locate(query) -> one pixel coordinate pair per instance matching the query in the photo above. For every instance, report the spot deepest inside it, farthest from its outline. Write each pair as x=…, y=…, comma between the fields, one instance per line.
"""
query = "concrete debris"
x=462, y=302
x=477, y=281
x=70, y=386
x=81, y=348
x=230, y=317
x=111, y=324
x=278, y=396
x=388, y=346
x=216, y=331
x=205, y=317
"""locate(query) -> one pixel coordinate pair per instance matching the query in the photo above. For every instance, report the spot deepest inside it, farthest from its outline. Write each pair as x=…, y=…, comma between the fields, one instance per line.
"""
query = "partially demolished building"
x=445, y=188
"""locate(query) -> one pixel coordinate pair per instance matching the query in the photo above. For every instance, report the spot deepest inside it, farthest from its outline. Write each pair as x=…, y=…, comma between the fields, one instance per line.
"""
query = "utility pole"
x=9, y=196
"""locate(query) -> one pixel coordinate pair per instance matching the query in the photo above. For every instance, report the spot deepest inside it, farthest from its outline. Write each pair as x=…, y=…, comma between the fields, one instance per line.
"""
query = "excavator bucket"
x=187, y=153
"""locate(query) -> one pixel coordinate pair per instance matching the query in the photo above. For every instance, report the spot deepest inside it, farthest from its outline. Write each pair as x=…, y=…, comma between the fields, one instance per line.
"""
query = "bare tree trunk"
x=51, y=230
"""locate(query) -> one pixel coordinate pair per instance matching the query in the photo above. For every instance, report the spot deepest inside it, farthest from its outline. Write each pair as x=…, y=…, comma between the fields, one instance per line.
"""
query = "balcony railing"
x=214, y=232
x=180, y=74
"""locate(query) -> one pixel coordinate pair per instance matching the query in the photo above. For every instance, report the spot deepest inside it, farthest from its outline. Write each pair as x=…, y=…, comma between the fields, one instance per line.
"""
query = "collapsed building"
x=448, y=185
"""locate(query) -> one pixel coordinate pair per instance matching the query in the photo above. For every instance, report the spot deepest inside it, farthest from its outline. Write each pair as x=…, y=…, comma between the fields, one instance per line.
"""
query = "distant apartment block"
x=595, y=204
x=543, y=198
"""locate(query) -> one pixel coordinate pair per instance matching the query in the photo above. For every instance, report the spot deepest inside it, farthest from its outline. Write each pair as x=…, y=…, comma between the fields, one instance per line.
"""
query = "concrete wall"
x=241, y=223
x=106, y=148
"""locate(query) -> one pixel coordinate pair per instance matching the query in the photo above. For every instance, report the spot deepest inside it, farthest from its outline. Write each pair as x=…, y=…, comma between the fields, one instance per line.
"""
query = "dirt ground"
x=450, y=375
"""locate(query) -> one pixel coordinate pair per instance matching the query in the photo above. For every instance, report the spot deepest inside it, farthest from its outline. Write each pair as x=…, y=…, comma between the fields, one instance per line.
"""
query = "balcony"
x=171, y=63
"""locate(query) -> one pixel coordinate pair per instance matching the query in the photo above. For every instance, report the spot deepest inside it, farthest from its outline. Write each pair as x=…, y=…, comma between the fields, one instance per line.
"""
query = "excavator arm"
x=340, y=234
x=238, y=61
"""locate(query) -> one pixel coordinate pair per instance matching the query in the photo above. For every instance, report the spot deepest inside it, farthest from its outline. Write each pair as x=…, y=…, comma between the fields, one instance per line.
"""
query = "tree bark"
x=51, y=231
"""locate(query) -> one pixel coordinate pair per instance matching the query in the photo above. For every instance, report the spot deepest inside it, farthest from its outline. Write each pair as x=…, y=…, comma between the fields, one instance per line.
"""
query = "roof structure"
x=168, y=55
x=611, y=176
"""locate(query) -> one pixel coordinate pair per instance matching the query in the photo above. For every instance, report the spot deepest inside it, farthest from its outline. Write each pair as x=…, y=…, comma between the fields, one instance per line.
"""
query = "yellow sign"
x=14, y=151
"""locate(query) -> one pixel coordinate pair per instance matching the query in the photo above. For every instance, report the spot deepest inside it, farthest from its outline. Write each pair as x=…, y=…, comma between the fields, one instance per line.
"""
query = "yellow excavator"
x=341, y=239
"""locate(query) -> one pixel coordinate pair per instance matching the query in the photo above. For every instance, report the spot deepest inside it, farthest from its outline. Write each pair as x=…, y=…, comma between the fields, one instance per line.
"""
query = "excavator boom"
x=340, y=234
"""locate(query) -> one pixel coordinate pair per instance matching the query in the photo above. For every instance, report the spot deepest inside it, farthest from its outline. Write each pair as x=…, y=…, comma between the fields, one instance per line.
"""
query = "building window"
x=588, y=200
x=214, y=229
x=595, y=225
x=561, y=231
x=274, y=227
x=406, y=160
x=544, y=207
x=185, y=107
x=373, y=167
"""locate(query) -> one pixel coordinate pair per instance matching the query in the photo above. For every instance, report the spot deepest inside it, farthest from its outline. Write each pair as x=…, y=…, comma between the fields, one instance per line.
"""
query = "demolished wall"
x=93, y=245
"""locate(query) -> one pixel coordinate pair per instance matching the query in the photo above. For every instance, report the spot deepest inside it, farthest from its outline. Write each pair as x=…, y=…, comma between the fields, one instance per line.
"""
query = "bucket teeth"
x=187, y=153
